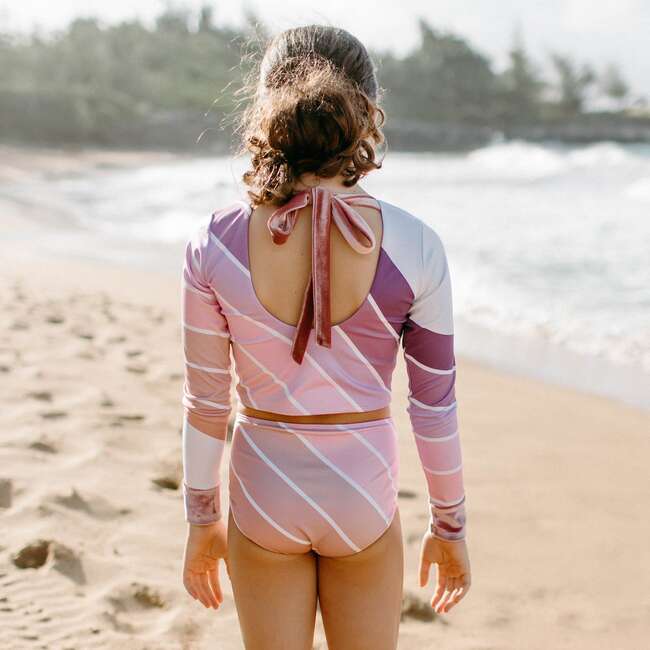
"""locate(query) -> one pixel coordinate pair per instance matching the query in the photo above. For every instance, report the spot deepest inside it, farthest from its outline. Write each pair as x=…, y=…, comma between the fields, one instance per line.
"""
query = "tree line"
x=126, y=84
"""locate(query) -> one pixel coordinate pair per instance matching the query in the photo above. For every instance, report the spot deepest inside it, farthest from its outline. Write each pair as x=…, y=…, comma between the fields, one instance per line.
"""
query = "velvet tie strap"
x=327, y=206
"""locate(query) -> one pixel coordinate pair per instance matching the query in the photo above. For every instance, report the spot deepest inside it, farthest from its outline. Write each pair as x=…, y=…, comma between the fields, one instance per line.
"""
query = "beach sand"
x=91, y=515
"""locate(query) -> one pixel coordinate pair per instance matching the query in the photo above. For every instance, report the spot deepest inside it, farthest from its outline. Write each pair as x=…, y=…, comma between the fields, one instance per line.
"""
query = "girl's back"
x=280, y=273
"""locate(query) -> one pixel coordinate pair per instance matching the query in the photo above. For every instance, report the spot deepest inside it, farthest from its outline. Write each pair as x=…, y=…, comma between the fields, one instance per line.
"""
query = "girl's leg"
x=275, y=594
x=361, y=595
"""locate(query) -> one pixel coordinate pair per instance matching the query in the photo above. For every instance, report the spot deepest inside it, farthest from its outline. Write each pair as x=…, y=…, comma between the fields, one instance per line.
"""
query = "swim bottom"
x=327, y=487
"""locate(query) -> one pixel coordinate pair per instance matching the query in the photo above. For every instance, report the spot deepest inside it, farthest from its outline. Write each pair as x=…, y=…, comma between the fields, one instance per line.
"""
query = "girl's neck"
x=334, y=184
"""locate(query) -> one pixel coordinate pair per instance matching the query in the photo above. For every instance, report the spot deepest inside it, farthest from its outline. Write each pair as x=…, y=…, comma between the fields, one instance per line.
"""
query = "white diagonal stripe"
x=432, y=408
x=365, y=361
x=214, y=404
x=436, y=502
x=220, y=371
x=376, y=452
x=441, y=439
x=382, y=318
x=198, y=292
x=229, y=255
x=371, y=449
x=263, y=514
x=361, y=490
x=200, y=330
x=276, y=379
x=443, y=472
x=309, y=358
x=297, y=489
x=435, y=371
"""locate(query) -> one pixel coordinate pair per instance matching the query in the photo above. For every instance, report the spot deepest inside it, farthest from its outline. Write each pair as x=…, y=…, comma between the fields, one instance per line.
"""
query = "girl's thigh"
x=361, y=595
x=275, y=594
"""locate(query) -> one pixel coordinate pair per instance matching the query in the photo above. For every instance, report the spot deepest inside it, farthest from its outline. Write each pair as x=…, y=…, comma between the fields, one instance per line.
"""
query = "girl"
x=314, y=285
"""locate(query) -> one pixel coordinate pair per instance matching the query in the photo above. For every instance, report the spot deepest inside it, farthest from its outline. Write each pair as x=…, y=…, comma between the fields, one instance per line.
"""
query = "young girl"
x=315, y=284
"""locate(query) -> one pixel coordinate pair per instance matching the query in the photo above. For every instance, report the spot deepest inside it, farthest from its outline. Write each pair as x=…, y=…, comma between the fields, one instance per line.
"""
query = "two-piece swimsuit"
x=330, y=486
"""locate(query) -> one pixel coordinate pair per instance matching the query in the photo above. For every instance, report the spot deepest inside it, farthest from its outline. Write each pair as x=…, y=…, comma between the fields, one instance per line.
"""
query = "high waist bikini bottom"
x=331, y=488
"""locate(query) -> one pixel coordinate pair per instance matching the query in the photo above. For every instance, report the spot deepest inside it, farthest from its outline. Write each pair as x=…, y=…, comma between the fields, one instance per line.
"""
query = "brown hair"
x=314, y=108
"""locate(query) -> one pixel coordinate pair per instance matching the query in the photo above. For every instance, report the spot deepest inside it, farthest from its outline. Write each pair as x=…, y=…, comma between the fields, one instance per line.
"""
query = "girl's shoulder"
x=411, y=243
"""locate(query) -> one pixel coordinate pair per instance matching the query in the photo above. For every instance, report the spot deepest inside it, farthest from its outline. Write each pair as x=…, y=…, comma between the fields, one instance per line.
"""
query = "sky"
x=598, y=32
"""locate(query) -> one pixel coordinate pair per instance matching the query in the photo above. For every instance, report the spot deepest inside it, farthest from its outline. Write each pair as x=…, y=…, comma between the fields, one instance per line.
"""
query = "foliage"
x=115, y=83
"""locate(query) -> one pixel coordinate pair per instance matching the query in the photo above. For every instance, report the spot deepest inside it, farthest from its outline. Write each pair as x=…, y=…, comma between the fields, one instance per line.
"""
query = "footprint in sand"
x=416, y=608
x=121, y=419
x=44, y=445
x=407, y=494
x=67, y=562
x=34, y=555
x=94, y=506
x=84, y=334
x=106, y=402
x=129, y=601
x=19, y=325
x=46, y=551
x=136, y=369
x=166, y=482
x=54, y=415
x=6, y=489
x=40, y=395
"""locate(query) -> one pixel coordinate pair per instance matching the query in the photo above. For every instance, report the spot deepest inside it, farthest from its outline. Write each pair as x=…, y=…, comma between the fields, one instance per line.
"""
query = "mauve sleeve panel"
x=428, y=346
x=206, y=389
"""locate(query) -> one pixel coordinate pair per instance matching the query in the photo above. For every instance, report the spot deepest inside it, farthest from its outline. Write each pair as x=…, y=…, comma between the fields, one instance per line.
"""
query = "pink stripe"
x=431, y=388
x=374, y=342
x=391, y=292
x=432, y=424
x=440, y=456
x=198, y=313
x=229, y=226
x=276, y=504
x=449, y=489
x=430, y=348
x=213, y=353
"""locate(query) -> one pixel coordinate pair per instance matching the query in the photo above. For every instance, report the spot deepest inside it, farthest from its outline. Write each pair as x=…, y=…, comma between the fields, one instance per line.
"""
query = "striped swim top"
x=316, y=367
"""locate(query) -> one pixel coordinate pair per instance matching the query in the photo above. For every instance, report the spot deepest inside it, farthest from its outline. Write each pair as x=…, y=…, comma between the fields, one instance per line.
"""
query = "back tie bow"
x=327, y=207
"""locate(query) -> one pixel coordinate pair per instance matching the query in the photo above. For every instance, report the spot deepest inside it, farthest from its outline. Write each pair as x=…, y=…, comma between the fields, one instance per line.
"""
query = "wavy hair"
x=313, y=109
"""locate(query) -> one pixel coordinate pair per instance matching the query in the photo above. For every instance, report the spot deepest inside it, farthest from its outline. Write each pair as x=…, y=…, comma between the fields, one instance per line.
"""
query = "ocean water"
x=549, y=246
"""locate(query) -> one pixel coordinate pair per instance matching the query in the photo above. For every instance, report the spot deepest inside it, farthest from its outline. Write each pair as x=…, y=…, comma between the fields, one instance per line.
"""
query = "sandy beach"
x=91, y=512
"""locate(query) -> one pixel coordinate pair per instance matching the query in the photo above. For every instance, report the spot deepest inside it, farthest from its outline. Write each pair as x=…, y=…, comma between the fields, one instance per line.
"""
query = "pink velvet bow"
x=327, y=207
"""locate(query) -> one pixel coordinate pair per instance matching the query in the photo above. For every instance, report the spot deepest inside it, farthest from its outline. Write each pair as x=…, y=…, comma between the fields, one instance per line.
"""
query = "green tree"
x=573, y=81
x=444, y=78
x=613, y=85
x=522, y=84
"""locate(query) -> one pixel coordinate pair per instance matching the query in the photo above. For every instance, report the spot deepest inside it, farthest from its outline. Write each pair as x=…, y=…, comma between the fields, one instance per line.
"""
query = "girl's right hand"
x=454, y=575
x=204, y=547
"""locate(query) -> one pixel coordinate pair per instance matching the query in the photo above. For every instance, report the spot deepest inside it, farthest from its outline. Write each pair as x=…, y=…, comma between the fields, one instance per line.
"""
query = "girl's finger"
x=425, y=567
x=450, y=586
x=213, y=576
x=461, y=590
x=453, y=598
x=456, y=597
x=189, y=588
x=207, y=585
x=440, y=590
x=204, y=595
